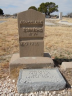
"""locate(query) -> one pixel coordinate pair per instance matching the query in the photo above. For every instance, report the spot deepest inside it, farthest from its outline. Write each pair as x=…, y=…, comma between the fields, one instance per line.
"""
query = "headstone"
x=31, y=25
x=32, y=80
x=60, y=15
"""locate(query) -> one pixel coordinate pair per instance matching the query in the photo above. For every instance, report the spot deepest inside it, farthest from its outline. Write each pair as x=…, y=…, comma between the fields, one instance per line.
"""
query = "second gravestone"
x=31, y=26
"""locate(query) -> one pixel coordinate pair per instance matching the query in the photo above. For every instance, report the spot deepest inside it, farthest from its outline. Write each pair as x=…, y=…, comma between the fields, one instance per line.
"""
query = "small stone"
x=31, y=94
x=13, y=81
x=54, y=92
x=21, y=94
x=3, y=94
x=26, y=94
x=37, y=94
x=11, y=94
x=9, y=80
x=58, y=94
x=68, y=93
x=7, y=77
x=46, y=93
x=71, y=86
x=49, y=94
x=9, y=91
x=63, y=90
x=16, y=94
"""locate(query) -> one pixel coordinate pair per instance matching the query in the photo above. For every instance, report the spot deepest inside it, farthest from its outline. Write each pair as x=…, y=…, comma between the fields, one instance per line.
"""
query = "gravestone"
x=31, y=26
x=33, y=80
x=60, y=15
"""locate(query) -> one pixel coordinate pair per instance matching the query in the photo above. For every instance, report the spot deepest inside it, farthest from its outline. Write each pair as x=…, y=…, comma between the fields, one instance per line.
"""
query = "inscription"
x=31, y=22
x=32, y=29
x=29, y=43
x=40, y=76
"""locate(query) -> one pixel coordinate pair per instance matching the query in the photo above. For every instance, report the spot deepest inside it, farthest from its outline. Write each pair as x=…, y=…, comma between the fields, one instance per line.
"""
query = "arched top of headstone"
x=31, y=15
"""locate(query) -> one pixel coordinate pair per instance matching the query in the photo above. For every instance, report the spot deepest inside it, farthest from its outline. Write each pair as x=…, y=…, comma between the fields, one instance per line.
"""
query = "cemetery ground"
x=57, y=42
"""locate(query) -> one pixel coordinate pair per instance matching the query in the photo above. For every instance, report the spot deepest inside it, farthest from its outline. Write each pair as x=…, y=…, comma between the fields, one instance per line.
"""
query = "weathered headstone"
x=32, y=80
x=31, y=25
x=60, y=15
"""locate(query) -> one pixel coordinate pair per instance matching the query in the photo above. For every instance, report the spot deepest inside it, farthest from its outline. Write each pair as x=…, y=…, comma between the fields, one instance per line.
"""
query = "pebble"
x=59, y=95
x=54, y=93
x=49, y=94
x=46, y=93
x=13, y=81
x=9, y=88
x=16, y=94
x=31, y=94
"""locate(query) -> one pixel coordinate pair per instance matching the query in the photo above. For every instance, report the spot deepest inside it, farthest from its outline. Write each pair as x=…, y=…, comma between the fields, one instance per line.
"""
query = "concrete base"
x=66, y=65
x=18, y=63
x=33, y=80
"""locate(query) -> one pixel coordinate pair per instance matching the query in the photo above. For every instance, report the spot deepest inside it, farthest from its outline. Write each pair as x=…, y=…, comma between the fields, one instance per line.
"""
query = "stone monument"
x=31, y=26
x=60, y=15
x=31, y=57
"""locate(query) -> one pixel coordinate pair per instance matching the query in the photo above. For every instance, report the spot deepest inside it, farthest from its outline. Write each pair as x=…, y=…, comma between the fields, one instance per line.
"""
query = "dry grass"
x=67, y=19
x=58, y=41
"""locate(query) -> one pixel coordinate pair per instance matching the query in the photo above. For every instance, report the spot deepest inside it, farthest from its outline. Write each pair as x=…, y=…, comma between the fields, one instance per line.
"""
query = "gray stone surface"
x=60, y=15
x=32, y=80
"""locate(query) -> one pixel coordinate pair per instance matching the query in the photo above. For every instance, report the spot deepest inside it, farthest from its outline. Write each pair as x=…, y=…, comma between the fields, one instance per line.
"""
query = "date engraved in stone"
x=29, y=43
x=32, y=29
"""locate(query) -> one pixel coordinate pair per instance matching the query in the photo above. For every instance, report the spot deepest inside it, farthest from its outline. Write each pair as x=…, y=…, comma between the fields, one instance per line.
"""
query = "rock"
x=31, y=80
x=54, y=93
x=13, y=81
x=16, y=94
x=3, y=94
x=31, y=94
x=49, y=94
x=21, y=94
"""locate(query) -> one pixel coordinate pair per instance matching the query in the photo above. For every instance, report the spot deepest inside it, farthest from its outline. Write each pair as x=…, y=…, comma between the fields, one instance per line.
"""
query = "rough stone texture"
x=18, y=63
x=31, y=25
x=31, y=19
x=31, y=80
x=31, y=48
x=66, y=65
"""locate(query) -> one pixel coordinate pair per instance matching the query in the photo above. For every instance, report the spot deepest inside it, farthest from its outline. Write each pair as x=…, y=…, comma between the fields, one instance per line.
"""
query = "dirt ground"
x=57, y=42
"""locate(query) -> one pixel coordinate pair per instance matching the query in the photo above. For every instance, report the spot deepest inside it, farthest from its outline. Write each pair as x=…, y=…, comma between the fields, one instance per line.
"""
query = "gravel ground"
x=8, y=87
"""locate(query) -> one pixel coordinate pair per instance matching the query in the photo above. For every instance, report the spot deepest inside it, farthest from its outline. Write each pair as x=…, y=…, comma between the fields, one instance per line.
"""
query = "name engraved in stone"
x=31, y=22
x=29, y=43
x=32, y=29
x=40, y=76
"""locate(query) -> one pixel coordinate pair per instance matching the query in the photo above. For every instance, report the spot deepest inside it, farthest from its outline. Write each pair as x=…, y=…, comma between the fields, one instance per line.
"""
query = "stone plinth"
x=18, y=63
x=32, y=80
